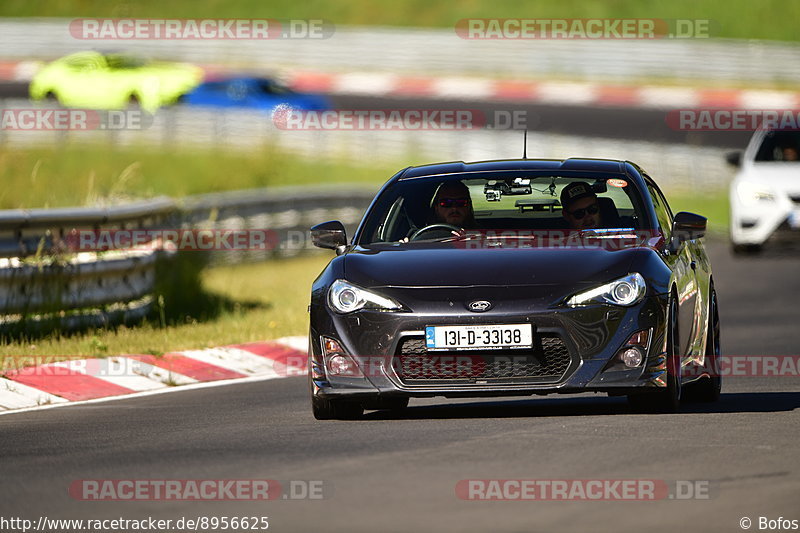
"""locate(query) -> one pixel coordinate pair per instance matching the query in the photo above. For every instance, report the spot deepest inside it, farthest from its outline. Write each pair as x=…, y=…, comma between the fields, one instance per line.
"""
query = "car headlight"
x=751, y=193
x=625, y=291
x=345, y=297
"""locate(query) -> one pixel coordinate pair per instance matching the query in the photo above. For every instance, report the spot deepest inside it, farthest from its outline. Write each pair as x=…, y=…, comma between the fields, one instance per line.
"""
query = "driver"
x=452, y=205
x=579, y=206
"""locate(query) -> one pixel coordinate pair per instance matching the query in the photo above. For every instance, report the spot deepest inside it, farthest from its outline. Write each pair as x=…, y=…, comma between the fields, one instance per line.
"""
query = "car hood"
x=443, y=266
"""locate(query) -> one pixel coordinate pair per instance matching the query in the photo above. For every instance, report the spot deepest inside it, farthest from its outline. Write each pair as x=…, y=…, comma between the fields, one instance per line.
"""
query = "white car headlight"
x=345, y=297
x=625, y=291
x=752, y=193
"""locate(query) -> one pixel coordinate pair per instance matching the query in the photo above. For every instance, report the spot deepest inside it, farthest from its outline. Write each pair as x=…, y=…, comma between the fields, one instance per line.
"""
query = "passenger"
x=790, y=153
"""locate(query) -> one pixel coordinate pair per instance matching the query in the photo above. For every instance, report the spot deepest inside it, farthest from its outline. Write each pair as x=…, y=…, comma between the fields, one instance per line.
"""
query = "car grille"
x=546, y=363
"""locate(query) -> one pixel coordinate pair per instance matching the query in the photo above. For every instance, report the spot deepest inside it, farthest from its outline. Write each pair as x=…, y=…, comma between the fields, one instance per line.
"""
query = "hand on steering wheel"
x=434, y=227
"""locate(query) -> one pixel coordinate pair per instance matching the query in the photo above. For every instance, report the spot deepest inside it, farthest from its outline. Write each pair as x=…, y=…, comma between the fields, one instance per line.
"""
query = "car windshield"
x=781, y=146
x=500, y=202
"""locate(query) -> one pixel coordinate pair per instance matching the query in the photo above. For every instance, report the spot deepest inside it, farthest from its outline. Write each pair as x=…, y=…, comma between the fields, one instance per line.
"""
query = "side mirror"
x=734, y=158
x=688, y=226
x=329, y=235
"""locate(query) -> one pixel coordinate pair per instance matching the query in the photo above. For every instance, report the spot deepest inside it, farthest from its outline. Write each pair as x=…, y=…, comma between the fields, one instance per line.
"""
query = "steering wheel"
x=433, y=228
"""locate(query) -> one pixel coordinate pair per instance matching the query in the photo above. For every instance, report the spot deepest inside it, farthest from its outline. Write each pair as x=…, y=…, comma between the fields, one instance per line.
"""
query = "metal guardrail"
x=42, y=279
x=25, y=232
x=442, y=51
x=286, y=212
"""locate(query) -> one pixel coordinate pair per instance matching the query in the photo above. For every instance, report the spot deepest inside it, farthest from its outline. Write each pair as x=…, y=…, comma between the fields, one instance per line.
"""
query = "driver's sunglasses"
x=580, y=213
x=453, y=202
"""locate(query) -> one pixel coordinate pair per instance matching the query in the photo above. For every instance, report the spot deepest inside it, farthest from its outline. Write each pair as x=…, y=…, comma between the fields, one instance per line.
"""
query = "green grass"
x=741, y=19
x=85, y=174
x=713, y=205
x=261, y=301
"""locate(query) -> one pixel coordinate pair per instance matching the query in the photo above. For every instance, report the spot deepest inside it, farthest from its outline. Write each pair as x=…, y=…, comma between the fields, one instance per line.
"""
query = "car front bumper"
x=592, y=337
x=756, y=223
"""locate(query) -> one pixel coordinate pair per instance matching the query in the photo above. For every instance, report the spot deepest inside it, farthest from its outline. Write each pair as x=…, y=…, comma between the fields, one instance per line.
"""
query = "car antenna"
x=525, y=144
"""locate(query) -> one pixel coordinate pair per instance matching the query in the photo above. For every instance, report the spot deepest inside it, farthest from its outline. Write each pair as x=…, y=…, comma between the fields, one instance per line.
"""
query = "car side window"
x=663, y=212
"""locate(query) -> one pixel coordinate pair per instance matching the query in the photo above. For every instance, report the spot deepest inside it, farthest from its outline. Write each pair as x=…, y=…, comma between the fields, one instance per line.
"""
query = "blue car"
x=254, y=93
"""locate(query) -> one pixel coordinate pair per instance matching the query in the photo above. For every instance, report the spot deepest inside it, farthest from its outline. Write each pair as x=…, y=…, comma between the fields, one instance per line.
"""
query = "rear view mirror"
x=688, y=226
x=329, y=235
x=734, y=158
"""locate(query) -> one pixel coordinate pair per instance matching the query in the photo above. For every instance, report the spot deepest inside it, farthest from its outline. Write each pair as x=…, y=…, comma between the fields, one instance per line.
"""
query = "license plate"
x=494, y=337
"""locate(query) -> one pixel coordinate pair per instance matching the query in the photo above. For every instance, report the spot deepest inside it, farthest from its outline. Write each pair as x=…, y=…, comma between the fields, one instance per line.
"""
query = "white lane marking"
x=17, y=397
x=234, y=359
x=299, y=343
x=14, y=395
x=566, y=93
x=364, y=83
x=128, y=373
x=193, y=386
x=464, y=88
x=768, y=99
x=667, y=97
x=157, y=373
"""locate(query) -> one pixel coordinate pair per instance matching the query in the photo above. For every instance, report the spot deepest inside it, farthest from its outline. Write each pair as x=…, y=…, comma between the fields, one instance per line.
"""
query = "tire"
x=708, y=389
x=668, y=399
x=335, y=409
x=746, y=249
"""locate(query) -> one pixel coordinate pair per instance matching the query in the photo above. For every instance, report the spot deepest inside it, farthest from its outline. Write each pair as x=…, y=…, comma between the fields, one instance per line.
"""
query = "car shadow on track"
x=747, y=402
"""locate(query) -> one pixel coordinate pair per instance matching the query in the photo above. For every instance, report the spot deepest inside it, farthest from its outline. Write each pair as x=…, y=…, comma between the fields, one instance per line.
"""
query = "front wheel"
x=667, y=399
x=708, y=389
x=335, y=409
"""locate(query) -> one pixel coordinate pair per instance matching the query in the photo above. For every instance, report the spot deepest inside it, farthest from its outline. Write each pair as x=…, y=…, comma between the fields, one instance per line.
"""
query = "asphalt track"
x=385, y=474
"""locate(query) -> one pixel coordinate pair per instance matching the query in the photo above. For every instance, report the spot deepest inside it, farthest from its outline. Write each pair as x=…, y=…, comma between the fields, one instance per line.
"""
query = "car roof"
x=553, y=165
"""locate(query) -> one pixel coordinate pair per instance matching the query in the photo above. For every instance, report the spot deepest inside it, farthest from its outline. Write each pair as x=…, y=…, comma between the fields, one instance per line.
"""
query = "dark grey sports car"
x=514, y=277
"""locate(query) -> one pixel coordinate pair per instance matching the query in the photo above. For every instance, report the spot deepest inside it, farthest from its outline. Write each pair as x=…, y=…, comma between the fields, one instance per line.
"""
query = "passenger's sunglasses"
x=580, y=213
x=453, y=202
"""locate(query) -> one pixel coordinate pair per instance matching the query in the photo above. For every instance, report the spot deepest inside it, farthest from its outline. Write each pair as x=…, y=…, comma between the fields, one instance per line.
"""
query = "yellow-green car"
x=113, y=81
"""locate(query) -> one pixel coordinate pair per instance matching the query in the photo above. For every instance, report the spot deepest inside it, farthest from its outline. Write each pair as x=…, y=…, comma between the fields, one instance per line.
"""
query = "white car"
x=765, y=194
